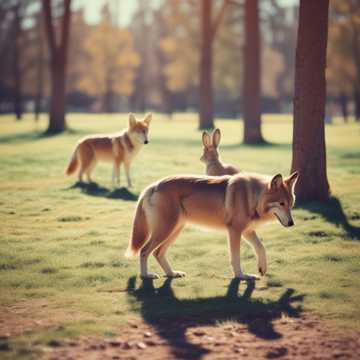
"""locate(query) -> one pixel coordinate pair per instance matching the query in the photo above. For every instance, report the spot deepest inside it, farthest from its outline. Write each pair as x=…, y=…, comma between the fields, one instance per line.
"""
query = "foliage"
x=111, y=58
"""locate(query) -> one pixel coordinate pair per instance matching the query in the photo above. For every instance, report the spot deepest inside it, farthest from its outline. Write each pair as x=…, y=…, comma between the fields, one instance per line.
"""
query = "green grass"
x=65, y=244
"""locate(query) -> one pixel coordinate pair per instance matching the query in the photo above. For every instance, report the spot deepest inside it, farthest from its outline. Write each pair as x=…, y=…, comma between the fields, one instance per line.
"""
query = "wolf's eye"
x=282, y=204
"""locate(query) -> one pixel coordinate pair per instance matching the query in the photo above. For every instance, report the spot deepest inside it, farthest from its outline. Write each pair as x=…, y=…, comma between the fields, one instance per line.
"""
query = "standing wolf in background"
x=238, y=204
x=210, y=156
x=116, y=148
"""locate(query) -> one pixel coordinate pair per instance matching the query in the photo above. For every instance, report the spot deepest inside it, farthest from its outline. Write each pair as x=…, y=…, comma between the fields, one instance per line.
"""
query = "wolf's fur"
x=210, y=156
x=116, y=148
x=238, y=204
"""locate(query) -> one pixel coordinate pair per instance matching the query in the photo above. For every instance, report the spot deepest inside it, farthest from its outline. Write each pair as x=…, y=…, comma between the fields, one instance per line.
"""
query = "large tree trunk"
x=252, y=75
x=309, y=154
x=206, y=62
x=58, y=62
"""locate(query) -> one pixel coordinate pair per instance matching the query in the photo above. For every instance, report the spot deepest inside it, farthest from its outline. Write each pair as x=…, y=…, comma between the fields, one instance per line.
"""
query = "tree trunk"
x=57, y=107
x=309, y=153
x=39, y=71
x=58, y=56
x=206, y=62
x=343, y=101
x=252, y=75
x=16, y=64
x=357, y=103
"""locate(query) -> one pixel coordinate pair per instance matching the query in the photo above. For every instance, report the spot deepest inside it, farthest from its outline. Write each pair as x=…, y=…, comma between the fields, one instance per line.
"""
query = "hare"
x=214, y=166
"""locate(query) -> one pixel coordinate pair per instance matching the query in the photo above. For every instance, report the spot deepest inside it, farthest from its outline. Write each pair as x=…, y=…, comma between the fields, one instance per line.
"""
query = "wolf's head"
x=279, y=198
x=139, y=130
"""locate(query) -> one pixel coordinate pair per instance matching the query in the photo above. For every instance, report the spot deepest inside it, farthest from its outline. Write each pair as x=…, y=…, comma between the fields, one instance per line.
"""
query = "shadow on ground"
x=94, y=189
x=333, y=212
x=172, y=317
x=35, y=135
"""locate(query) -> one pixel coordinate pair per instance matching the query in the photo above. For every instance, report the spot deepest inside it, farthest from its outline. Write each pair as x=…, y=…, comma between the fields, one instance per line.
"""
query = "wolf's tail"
x=140, y=231
x=73, y=164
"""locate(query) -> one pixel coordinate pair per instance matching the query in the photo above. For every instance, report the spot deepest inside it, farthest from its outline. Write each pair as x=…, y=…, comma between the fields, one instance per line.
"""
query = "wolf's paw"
x=176, y=274
x=262, y=267
x=248, y=277
x=150, y=275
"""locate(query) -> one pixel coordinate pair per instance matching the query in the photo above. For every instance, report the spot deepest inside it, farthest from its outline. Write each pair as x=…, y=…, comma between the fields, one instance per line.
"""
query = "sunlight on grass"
x=65, y=244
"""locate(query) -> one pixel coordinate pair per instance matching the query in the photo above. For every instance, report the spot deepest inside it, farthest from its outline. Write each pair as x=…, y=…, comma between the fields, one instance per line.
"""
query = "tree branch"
x=219, y=18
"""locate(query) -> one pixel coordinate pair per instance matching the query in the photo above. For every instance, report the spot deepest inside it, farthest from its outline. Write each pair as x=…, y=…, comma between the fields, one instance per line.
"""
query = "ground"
x=66, y=289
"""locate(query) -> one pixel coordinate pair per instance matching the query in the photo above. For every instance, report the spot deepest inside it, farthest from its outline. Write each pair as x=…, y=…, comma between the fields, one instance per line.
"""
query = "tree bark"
x=252, y=75
x=58, y=62
x=16, y=64
x=357, y=103
x=206, y=63
x=39, y=71
x=343, y=101
x=309, y=152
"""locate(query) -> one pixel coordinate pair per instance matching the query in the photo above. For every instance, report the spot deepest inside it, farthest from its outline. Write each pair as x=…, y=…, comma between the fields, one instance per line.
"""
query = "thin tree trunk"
x=16, y=64
x=206, y=64
x=252, y=75
x=309, y=153
x=343, y=101
x=40, y=71
x=357, y=103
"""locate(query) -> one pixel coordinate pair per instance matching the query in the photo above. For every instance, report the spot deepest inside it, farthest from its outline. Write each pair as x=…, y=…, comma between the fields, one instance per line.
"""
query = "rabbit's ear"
x=216, y=136
x=206, y=139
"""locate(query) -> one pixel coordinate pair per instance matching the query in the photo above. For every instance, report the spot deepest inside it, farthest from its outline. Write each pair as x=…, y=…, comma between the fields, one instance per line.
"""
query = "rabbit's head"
x=211, y=144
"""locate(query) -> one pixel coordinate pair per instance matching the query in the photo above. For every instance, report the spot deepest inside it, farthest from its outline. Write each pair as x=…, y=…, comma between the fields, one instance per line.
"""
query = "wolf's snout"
x=291, y=223
x=146, y=142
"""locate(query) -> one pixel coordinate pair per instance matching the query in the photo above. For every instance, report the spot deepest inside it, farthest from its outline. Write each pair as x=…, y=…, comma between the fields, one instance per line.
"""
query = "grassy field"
x=62, y=245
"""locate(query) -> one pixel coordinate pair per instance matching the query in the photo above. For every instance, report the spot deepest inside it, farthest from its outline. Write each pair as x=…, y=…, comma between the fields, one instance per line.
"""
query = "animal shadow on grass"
x=333, y=212
x=172, y=317
x=94, y=189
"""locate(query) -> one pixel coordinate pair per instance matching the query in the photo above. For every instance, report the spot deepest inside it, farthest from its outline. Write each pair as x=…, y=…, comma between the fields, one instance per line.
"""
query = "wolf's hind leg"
x=161, y=250
x=162, y=228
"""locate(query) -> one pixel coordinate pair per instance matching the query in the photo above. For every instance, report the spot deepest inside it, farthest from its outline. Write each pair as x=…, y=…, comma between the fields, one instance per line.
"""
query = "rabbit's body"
x=218, y=168
x=214, y=166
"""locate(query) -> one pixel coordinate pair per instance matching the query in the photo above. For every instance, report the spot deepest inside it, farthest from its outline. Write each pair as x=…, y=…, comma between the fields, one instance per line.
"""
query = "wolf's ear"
x=291, y=180
x=276, y=182
x=216, y=136
x=206, y=139
x=132, y=120
x=148, y=119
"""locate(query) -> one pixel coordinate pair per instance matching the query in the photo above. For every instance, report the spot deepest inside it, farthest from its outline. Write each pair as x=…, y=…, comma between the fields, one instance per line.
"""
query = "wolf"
x=238, y=204
x=119, y=148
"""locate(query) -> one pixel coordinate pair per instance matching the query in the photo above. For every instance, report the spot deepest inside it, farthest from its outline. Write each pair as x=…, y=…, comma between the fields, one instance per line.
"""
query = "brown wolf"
x=116, y=148
x=238, y=204
x=210, y=156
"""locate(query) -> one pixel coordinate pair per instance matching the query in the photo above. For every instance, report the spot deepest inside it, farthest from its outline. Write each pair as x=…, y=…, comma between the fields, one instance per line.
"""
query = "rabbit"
x=214, y=166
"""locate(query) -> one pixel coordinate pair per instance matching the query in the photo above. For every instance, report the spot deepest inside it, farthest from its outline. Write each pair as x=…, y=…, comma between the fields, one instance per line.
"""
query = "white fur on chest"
x=129, y=154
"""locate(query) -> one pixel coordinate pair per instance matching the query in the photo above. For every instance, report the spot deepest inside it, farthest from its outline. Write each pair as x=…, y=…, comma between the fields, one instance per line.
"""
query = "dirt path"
x=299, y=338
x=285, y=337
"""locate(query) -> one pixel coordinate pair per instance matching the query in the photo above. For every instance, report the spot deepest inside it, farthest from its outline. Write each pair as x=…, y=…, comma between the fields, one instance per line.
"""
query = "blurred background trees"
x=164, y=56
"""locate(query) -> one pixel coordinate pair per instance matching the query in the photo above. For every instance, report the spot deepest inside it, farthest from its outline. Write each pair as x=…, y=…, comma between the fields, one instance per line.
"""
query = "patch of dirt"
x=33, y=314
x=297, y=338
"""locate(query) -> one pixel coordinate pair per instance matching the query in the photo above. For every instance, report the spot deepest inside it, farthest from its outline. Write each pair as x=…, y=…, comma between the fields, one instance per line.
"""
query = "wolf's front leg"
x=259, y=249
x=127, y=172
x=234, y=245
x=116, y=175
